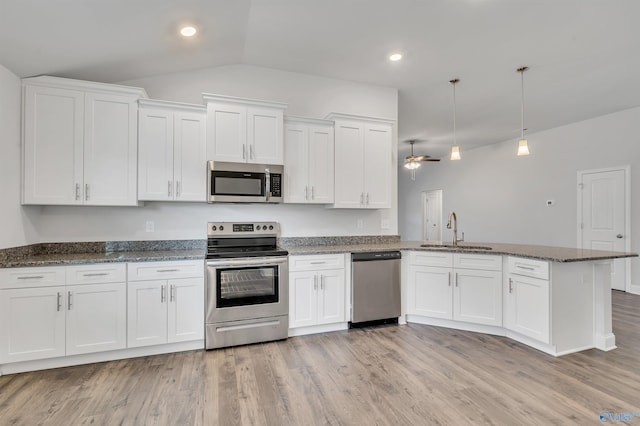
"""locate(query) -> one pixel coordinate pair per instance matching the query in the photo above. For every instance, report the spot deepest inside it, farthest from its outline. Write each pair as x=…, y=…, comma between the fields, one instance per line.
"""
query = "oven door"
x=245, y=288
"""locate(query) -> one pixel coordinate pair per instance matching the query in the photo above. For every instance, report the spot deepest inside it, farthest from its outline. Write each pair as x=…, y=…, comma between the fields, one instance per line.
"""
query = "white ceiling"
x=584, y=55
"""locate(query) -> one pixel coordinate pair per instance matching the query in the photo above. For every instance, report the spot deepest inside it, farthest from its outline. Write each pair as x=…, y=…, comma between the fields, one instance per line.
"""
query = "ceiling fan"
x=413, y=161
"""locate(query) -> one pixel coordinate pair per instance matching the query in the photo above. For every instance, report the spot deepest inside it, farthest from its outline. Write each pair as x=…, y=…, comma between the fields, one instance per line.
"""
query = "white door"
x=477, y=296
x=303, y=299
x=430, y=292
x=110, y=150
x=349, y=165
x=146, y=313
x=321, y=159
x=226, y=132
x=296, y=161
x=186, y=310
x=155, y=165
x=264, y=136
x=377, y=166
x=53, y=144
x=603, y=213
x=331, y=296
x=190, y=146
x=32, y=324
x=432, y=215
x=96, y=318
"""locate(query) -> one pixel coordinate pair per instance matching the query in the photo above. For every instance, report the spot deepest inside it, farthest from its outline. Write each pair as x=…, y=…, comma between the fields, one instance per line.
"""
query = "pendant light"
x=523, y=148
x=455, y=149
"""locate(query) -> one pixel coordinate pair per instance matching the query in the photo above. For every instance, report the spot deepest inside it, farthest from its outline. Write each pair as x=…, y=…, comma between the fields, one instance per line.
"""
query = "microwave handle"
x=267, y=183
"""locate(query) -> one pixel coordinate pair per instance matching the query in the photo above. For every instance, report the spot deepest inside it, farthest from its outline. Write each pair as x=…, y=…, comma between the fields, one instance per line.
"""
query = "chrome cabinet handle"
x=59, y=300
x=86, y=192
x=172, y=294
x=168, y=270
x=367, y=199
x=528, y=268
x=77, y=191
x=456, y=279
x=362, y=198
x=312, y=195
x=163, y=291
x=251, y=152
x=510, y=285
x=177, y=188
x=318, y=263
x=315, y=282
x=97, y=274
x=305, y=193
x=69, y=300
x=449, y=279
x=31, y=277
x=321, y=282
x=244, y=152
x=169, y=188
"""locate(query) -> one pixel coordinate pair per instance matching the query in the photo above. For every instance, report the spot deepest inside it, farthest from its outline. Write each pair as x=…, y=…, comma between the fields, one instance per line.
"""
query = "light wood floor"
x=396, y=375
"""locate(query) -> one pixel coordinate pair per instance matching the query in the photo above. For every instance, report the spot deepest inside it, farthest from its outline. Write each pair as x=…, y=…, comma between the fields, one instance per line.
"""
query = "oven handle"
x=254, y=261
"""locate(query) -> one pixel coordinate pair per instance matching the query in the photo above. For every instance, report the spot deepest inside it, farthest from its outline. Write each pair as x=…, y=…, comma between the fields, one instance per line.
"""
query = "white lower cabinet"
x=316, y=290
x=527, y=299
x=53, y=312
x=454, y=292
x=165, y=303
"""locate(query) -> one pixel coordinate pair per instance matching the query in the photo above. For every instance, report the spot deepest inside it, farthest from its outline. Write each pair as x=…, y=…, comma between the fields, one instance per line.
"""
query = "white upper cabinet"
x=363, y=161
x=308, y=161
x=172, y=152
x=79, y=142
x=244, y=130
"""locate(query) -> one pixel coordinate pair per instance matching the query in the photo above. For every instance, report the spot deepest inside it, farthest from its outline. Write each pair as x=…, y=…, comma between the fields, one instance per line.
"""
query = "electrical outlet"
x=151, y=226
x=360, y=224
x=384, y=224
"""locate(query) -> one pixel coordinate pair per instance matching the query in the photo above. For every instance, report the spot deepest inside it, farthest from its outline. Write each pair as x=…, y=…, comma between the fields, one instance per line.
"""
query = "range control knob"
x=213, y=227
x=270, y=227
x=221, y=228
x=258, y=227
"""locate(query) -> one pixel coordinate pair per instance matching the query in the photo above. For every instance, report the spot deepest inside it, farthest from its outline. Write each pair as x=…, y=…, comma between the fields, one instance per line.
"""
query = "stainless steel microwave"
x=244, y=182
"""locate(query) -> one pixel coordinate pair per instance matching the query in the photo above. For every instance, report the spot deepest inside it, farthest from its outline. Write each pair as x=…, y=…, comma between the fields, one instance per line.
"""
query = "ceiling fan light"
x=455, y=153
x=411, y=165
x=523, y=148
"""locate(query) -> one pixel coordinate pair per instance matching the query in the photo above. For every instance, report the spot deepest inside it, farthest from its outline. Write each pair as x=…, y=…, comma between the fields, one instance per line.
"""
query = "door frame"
x=627, y=213
x=424, y=195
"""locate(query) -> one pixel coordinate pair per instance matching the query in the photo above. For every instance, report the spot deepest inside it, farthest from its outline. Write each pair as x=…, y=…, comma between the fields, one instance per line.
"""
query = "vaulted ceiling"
x=583, y=54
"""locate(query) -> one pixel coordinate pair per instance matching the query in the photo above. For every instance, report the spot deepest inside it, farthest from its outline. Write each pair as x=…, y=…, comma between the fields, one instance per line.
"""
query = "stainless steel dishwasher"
x=375, y=291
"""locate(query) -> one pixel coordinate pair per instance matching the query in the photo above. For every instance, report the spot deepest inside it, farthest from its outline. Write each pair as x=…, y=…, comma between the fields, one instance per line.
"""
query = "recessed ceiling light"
x=188, y=31
x=395, y=57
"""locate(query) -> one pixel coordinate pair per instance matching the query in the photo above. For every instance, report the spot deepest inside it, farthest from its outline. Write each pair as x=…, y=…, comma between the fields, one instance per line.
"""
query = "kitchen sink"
x=451, y=246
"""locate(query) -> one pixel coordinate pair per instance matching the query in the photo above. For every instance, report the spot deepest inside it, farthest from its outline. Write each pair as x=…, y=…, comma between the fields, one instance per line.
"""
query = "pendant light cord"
x=521, y=70
x=455, y=140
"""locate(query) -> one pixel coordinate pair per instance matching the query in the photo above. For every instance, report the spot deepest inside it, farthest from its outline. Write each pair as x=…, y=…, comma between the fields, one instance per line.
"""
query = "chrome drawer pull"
x=528, y=268
x=168, y=270
x=31, y=277
x=97, y=274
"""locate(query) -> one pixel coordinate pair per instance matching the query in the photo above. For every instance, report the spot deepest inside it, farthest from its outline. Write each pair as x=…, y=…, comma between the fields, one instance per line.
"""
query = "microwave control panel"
x=276, y=185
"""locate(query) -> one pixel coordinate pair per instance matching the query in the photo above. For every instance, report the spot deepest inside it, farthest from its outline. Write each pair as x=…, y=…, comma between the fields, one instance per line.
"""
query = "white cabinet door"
x=32, y=324
x=321, y=164
x=155, y=166
x=186, y=310
x=146, y=313
x=264, y=136
x=110, y=150
x=53, y=127
x=527, y=307
x=331, y=305
x=96, y=318
x=296, y=171
x=477, y=296
x=377, y=166
x=226, y=132
x=349, y=165
x=430, y=292
x=303, y=300
x=190, y=144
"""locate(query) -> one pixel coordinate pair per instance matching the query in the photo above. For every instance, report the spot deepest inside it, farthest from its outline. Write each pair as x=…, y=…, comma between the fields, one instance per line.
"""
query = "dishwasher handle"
x=377, y=255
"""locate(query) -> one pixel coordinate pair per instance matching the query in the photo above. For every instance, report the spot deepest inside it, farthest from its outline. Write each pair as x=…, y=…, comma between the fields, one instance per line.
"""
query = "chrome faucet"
x=453, y=216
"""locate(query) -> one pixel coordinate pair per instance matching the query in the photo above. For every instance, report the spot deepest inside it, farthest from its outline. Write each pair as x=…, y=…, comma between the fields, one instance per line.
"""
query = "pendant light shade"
x=523, y=147
x=455, y=149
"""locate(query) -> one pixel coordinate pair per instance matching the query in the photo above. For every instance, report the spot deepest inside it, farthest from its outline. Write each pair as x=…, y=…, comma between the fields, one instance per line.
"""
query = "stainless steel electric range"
x=247, y=291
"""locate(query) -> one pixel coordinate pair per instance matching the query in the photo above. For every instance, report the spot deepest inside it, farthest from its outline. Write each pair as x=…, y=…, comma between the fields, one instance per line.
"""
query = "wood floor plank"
x=409, y=374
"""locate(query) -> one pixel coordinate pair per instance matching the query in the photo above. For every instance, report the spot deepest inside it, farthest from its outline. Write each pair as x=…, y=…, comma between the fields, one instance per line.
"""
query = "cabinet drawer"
x=32, y=277
x=431, y=258
x=97, y=273
x=143, y=271
x=316, y=262
x=529, y=267
x=477, y=261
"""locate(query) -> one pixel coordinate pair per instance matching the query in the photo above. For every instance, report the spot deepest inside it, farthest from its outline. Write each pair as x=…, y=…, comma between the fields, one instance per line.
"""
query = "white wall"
x=499, y=197
x=16, y=228
x=306, y=95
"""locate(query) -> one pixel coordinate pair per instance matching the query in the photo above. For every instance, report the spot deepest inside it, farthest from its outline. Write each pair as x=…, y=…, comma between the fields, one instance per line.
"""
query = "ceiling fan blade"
x=431, y=159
